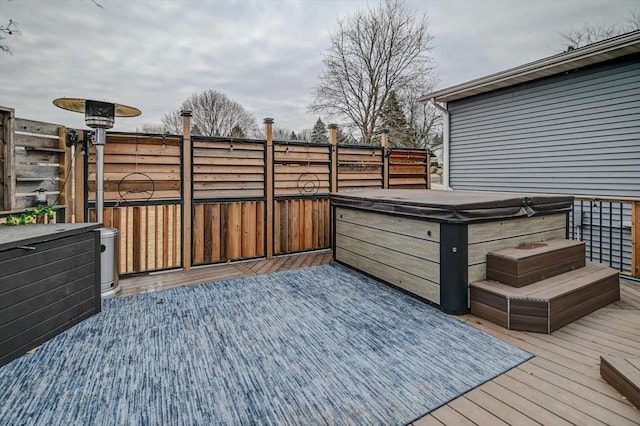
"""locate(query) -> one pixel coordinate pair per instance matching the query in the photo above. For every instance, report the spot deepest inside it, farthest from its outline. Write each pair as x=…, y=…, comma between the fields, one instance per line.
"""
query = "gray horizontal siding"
x=576, y=133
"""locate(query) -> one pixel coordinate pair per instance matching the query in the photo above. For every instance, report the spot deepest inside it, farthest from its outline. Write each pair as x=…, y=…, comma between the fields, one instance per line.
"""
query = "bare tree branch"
x=372, y=53
x=589, y=33
x=7, y=31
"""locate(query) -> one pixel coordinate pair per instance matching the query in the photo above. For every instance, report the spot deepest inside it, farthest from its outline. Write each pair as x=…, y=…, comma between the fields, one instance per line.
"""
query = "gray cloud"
x=266, y=55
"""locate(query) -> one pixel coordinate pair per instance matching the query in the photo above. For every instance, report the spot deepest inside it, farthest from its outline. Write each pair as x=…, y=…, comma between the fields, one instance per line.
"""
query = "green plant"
x=31, y=216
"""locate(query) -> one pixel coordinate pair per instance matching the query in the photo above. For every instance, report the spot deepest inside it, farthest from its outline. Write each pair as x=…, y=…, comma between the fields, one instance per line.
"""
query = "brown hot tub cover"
x=453, y=206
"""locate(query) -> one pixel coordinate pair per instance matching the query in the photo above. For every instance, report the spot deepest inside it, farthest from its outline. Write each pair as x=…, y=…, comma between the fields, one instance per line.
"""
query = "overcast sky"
x=264, y=54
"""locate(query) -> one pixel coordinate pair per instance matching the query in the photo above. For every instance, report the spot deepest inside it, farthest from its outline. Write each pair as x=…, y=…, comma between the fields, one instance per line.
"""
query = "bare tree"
x=214, y=114
x=588, y=33
x=423, y=118
x=155, y=128
x=633, y=21
x=372, y=52
x=281, y=133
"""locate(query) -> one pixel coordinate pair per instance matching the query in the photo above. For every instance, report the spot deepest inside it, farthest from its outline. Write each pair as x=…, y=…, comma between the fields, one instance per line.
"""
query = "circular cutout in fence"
x=136, y=186
x=308, y=183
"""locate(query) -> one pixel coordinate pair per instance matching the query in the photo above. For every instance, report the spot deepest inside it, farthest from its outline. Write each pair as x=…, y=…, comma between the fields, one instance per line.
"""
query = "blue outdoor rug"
x=319, y=345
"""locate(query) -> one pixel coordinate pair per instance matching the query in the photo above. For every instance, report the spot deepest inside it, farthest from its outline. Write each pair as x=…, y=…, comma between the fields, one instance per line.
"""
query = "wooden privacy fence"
x=181, y=201
x=33, y=159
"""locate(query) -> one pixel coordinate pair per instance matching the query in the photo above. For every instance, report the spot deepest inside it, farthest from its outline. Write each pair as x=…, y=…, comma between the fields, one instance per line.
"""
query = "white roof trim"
x=606, y=50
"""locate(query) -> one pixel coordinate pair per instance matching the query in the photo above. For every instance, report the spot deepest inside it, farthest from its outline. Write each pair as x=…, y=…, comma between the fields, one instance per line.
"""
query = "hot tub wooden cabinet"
x=49, y=281
x=434, y=243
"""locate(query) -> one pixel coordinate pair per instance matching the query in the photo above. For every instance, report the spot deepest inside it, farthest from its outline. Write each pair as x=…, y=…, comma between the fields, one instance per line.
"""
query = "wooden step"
x=624, y=375
x=546, y=305
x=526, y=264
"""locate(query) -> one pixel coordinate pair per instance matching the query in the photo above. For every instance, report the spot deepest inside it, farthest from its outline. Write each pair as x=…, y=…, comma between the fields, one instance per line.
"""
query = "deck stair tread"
x=624, y=375
x=545, y=305
x=551, y=288
x=528, y=263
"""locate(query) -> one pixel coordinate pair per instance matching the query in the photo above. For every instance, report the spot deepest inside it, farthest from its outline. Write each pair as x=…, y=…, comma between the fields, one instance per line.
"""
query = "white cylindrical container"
x=109, y=283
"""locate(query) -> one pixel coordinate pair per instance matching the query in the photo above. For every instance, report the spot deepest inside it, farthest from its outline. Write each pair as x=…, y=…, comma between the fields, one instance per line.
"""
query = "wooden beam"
x=333, y=138
x=384, y=141
x=268, y=130
x=8, y=156
x=635, y=239
x=186, y=189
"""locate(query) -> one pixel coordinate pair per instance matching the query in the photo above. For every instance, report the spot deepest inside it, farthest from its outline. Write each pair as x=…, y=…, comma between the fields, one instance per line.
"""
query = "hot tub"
x=434, y=243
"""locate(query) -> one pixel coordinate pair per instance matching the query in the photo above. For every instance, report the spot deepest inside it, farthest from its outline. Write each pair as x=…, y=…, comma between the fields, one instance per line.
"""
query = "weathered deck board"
x=562, y=383
x=180, y=278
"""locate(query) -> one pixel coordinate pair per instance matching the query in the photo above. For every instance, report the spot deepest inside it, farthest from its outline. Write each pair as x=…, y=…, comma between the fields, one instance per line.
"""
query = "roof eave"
x=592, y=54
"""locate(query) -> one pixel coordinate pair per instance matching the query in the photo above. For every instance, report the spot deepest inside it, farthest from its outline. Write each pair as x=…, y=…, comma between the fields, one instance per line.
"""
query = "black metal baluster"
x=600, y=233
x=611, y=233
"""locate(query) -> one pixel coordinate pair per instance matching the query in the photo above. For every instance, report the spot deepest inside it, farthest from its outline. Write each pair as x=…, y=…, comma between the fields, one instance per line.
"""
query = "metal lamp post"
x=100, y=116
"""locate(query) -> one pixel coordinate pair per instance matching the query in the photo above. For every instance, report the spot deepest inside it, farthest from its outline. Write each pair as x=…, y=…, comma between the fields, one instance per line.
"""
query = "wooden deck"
x=204, y=274
x=561, y=385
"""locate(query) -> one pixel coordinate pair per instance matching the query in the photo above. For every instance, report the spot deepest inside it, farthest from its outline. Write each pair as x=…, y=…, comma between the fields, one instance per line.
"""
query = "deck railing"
x=610, y=228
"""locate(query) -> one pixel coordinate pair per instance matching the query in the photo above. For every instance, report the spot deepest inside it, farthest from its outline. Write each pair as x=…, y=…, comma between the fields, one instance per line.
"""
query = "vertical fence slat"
x=215, y=235
x=248, y=229
x=198, y=233
x=260, y=228
x=234, y=232
x=308, y=224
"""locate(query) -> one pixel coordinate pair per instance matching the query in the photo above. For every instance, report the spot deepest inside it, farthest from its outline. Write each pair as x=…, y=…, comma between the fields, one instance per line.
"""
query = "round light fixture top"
x=79, y=105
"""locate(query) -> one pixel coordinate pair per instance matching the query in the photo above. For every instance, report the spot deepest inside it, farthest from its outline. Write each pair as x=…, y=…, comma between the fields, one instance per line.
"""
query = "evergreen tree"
x=319, y=132
x=237, y=132
x=293, y=136
x=393, y=118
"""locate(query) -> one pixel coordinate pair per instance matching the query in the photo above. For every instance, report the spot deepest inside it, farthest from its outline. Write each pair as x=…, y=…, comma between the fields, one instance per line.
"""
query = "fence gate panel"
x=228, y=213
x=143, y=199
x=360, y=167
x=408, y=169
x=302, y=181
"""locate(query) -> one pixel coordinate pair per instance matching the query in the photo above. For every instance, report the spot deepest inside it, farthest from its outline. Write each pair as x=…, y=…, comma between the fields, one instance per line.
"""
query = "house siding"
x=577, y=133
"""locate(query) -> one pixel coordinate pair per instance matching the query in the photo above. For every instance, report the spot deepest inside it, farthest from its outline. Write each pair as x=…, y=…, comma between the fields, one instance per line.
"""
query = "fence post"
x=428, y=169
x=7, y=154
x=268, y=131
x=186, y=189
x=635, y=239
x=78, y=213
x=333, y=139
x=384, y=141
x=65, y=193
